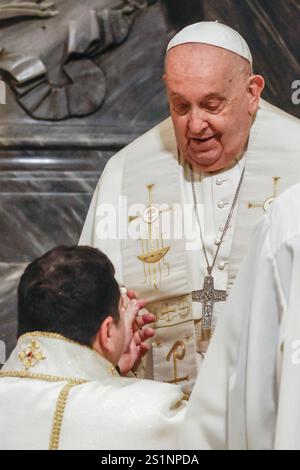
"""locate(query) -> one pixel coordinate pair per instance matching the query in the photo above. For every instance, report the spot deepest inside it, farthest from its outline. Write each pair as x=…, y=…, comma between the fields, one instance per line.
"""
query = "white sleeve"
x=123, y=414
x=237, y=376
x=287, y=431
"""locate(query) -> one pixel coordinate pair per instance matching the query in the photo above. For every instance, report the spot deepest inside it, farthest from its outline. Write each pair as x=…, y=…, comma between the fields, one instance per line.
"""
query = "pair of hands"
x=137, y=332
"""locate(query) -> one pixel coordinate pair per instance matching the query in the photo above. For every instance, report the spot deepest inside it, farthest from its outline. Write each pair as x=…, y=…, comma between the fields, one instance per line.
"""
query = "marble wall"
x=49, y=167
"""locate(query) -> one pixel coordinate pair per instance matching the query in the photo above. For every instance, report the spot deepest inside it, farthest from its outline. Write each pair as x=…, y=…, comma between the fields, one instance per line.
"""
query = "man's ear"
x=255, y=89
x=103, y=342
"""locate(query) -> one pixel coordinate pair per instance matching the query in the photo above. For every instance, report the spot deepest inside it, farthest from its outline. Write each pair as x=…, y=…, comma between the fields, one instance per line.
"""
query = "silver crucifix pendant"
x=208, y=296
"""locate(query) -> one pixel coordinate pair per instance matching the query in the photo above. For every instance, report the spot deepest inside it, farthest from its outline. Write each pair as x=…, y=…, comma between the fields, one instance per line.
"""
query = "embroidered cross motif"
x=31, y=355
x=153, y=249
x=270, y=199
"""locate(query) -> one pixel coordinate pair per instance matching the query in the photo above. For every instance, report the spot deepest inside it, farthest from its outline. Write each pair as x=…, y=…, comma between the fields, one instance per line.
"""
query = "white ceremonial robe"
x=74, y=399
x=248, y=391
x=272, y=164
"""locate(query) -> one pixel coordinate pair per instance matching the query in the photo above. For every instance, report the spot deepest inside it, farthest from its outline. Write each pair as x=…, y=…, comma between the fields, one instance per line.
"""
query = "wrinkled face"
x=211, y=104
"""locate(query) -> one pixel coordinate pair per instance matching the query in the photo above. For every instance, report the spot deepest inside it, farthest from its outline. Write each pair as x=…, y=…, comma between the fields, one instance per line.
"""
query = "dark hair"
x=70, y=291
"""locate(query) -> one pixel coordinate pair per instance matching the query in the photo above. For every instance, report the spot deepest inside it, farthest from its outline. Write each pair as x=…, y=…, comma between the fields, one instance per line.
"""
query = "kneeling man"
x=61, y=387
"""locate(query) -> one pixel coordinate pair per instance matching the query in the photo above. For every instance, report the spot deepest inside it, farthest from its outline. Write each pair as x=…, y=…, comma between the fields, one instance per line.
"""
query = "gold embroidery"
x=270, y=199
x=45, y=334
x=174, y=311
x=153, y=249
x=184, y=308
x=177, y=352
x=181, y=310
x=59, y=416
x=24, y=374
x=31, y=355
x=166, y=314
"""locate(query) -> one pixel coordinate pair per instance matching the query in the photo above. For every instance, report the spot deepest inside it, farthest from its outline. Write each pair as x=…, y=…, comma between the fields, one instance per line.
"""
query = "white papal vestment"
x=56, y=394
x=248, y=392
x=166, y=270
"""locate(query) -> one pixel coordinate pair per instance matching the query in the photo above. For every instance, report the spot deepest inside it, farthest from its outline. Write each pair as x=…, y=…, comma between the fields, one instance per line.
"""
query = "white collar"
x=200, y=175
x=62, y=358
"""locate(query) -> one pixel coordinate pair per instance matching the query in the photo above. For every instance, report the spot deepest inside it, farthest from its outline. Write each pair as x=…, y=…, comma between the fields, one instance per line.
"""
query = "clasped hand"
x=136, y=330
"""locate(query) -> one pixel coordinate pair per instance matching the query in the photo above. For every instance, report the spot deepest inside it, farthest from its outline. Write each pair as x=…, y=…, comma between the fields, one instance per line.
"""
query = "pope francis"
x=213, y=168
x=61, y=388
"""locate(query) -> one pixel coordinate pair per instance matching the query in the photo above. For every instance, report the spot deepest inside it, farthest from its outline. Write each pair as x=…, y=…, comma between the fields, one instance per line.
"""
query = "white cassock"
x=166, y=270
x=248, y=391
x=61, y=395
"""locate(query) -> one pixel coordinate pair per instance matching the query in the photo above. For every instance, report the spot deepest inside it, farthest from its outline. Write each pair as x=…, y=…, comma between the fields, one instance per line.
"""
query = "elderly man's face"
x=212, y=101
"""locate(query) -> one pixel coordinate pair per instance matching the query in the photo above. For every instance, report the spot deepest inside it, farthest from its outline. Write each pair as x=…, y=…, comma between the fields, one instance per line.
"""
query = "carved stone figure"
x=19, y=8
x=88, y=36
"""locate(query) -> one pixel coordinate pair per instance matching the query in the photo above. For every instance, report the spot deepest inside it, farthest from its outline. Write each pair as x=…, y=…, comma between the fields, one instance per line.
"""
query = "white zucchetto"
x=214, y=34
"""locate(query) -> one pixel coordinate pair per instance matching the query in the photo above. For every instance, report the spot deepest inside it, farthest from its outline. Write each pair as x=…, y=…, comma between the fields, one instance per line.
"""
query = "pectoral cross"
x=208, y=296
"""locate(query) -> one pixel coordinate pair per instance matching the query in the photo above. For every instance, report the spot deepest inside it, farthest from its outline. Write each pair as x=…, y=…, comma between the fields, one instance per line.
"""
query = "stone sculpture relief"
x=19, y=9
x=88, y=36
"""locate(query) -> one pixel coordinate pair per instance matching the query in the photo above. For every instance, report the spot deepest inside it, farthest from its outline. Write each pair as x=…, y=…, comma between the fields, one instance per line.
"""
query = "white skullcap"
x=215, y=34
